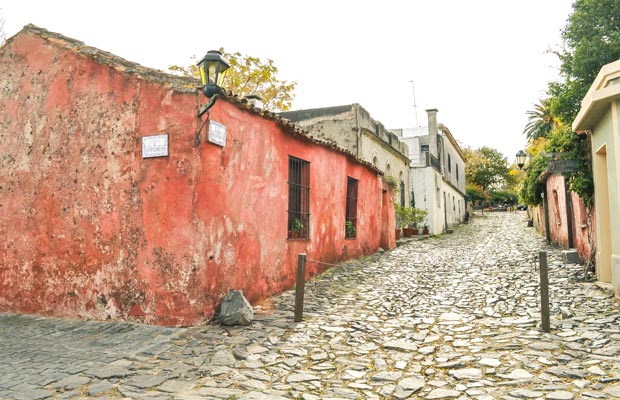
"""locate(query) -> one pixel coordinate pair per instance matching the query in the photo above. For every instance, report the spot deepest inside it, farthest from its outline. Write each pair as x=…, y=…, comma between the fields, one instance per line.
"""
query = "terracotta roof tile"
x=184, y=84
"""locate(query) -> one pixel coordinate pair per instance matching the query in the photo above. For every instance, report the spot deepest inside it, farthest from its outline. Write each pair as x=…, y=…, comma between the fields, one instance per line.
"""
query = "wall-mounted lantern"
x=212, y=69
x=521, y=156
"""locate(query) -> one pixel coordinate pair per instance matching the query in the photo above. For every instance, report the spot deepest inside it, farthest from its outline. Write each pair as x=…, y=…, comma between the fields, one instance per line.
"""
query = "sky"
x=482, y=63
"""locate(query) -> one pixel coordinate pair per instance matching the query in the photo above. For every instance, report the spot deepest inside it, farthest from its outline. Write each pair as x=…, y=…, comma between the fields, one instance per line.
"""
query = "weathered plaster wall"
x=455, y=206
x=556, y=201
x=90, y=229
x=454, y=166
x=581, y=241
x=537, y=215
x=558, y=222
x=398, y=165
x=429, y=197
x=334, y=127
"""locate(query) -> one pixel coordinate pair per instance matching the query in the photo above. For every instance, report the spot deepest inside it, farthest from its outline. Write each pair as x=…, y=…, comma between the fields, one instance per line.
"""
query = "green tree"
x=486, y=168
x=503, y=196
x=540, y=121
x=252, y=76
x=532, y=186
x=475, y=193
x=564, y=142
x=591, y=39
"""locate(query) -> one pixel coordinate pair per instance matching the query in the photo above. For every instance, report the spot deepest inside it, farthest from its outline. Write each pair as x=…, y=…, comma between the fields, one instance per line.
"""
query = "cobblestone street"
x=455, y=316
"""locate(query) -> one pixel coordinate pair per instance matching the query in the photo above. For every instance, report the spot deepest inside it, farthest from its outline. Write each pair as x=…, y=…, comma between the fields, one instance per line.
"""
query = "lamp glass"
x=521, y=156
x=213, y=69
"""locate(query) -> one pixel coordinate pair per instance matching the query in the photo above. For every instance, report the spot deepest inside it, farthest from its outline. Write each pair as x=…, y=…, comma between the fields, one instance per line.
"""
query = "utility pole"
x=415, y=106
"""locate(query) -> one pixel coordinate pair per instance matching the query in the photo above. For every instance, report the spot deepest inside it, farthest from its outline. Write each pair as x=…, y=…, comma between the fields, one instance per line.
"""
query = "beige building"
x=351, y=127
x=599, y=117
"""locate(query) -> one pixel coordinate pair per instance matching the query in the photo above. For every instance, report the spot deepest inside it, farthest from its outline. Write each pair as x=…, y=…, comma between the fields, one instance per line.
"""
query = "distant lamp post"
x=521, y=156
x=212, y=69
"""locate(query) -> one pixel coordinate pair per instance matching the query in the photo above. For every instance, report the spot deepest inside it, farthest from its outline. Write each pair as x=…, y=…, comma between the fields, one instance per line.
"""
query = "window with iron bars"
x=350, y=231
x=298, y=198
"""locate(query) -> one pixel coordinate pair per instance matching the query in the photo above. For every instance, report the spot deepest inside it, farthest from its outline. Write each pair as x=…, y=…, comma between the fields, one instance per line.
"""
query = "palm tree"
x=540, y=121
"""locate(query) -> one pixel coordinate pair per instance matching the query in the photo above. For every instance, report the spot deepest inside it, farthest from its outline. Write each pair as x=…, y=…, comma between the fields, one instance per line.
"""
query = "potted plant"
x=400, y=213
x=408, y=229
x=349, y=230
x=296, y=228
x=417, y=216
x=425, y=230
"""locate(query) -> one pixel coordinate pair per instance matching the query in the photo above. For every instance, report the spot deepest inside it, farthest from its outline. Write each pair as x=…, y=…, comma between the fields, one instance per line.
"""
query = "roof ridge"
x=180, y=83
x=183, y=84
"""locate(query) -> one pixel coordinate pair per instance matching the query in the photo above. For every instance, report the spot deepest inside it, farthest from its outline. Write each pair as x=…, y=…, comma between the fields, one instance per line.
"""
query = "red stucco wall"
x=91, y=229
x=558, y=222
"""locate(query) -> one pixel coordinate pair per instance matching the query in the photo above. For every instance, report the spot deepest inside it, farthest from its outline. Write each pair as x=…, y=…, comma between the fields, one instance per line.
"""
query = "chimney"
x=432, y=131
x=255, y=100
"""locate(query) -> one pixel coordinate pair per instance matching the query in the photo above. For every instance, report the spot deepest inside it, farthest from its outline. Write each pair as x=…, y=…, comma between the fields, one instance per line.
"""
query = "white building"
x=437, y=173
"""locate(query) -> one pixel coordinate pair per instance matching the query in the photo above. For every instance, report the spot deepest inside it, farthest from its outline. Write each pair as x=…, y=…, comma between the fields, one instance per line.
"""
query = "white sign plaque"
x=155, y=146
x=217, y=133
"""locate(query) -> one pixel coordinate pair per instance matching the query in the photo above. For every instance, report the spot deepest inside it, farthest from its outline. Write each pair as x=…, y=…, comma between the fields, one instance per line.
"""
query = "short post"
x=299, y=288
x=544, y=291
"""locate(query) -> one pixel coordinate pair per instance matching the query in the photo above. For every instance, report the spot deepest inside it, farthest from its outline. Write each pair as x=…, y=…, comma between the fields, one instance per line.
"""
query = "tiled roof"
x=182, y=84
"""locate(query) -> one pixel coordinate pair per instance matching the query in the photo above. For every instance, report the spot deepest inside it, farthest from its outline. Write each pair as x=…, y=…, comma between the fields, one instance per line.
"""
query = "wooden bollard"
x=299, y=288
x=544, y=291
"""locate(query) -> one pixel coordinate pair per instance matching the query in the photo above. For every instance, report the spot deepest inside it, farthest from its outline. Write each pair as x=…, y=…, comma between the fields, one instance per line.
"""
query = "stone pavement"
x=455, y=316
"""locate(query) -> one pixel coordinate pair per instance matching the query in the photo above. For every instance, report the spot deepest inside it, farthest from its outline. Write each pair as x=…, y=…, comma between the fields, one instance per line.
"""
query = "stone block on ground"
x=235, y=309
x=570, y=256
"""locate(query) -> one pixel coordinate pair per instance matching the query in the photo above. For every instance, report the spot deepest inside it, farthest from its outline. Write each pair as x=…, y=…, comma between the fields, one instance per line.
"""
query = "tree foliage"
x=252, y=76
x=591, y=39
x=503, y=197
x=474, y=192
x=487, y=168
x=541, y=121
x=566, y=145
x=532, y=186
x=574, y=147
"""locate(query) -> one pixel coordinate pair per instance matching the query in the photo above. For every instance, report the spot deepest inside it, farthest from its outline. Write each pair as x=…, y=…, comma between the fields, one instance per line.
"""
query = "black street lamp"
x=521, y=156
x=212, y=69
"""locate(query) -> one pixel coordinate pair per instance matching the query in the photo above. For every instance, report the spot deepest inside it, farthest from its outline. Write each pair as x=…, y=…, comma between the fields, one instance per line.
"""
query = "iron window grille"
x=298, y=198
x=350, y=231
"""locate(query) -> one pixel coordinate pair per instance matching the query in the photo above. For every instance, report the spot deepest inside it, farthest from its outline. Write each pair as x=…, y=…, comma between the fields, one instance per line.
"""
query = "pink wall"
x=90, y=229
x=581, y=242
x=556, y=200
x=558, y=222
